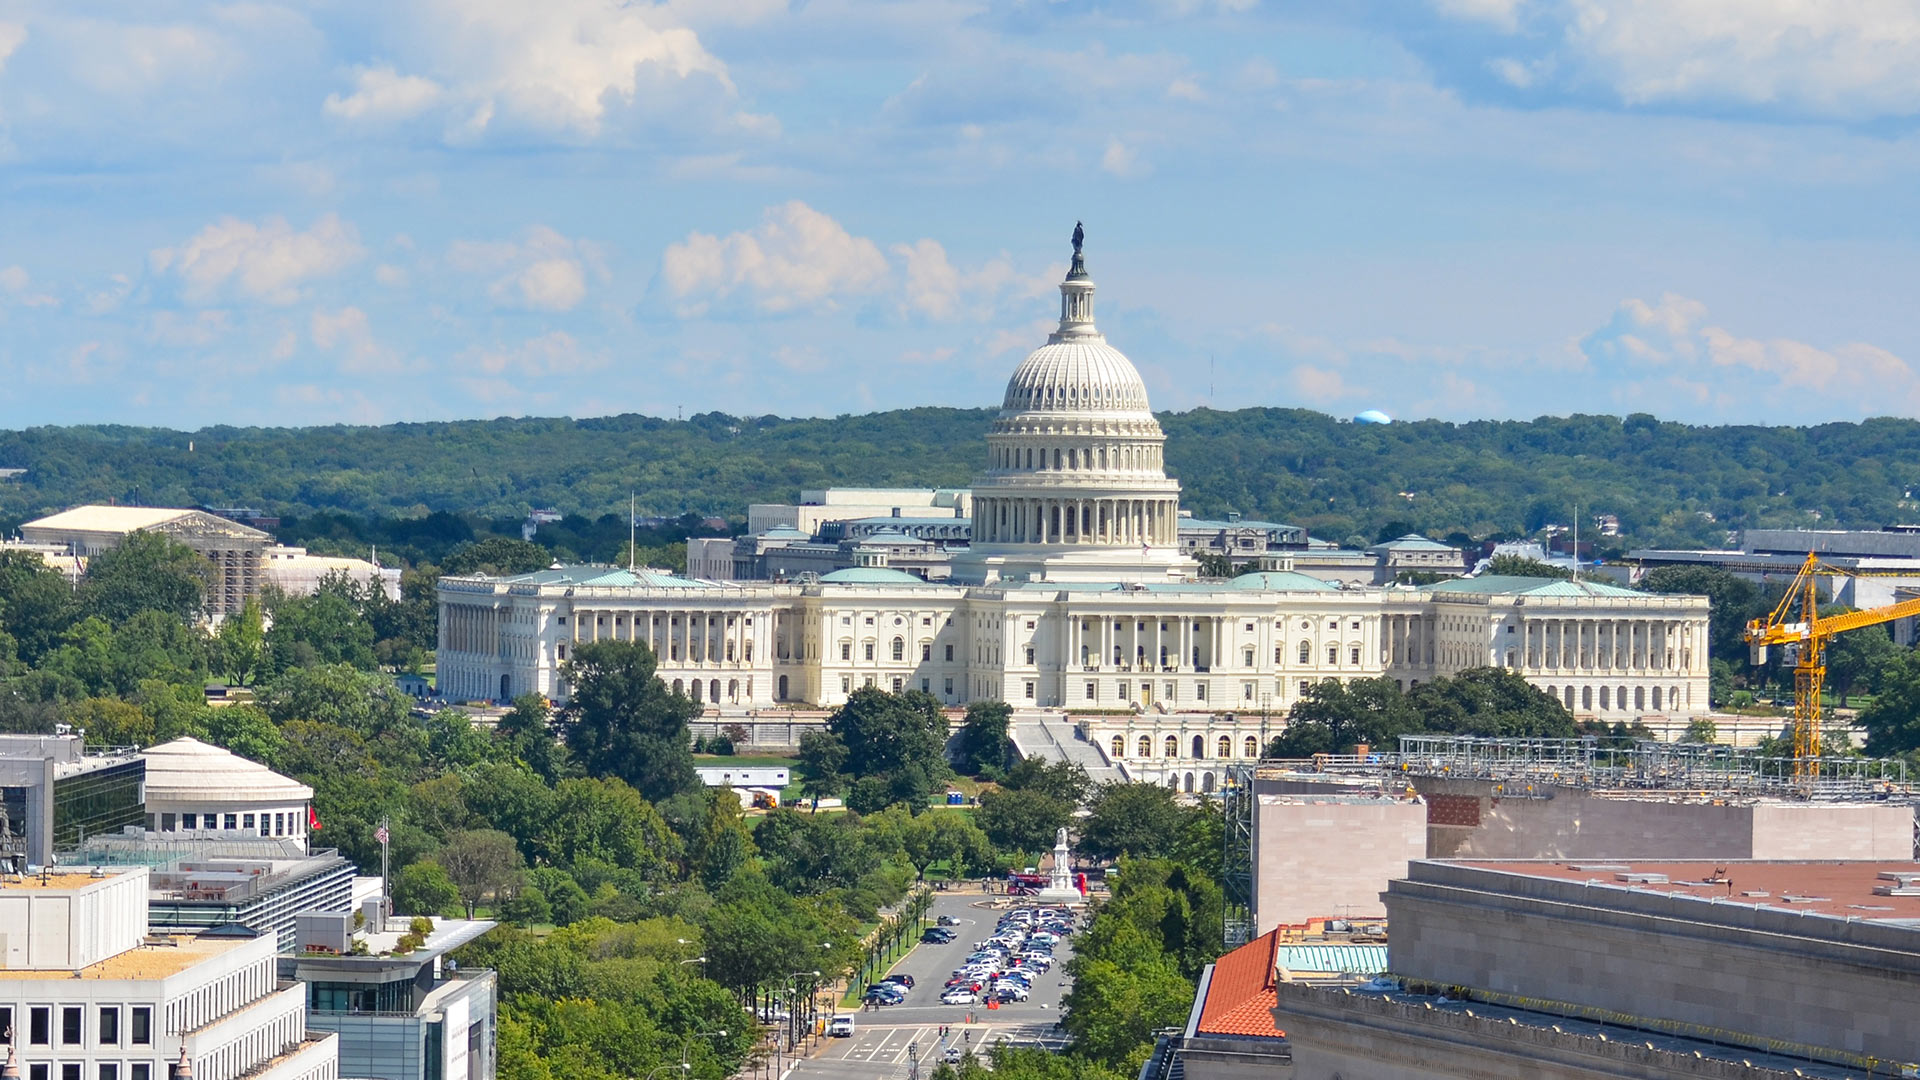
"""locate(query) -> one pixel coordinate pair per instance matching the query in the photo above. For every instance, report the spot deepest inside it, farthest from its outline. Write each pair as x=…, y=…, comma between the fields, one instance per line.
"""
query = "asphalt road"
x=879, y=1048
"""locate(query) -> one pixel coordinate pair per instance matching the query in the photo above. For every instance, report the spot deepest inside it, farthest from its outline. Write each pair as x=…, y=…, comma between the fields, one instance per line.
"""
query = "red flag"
x=313, y=819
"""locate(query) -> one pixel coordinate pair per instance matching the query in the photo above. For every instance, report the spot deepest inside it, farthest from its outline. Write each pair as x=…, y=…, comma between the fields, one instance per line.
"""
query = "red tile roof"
x=1240, y=997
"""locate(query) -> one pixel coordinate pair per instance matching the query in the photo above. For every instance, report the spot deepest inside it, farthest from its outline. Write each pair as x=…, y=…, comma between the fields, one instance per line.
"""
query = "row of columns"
x=1607, y=645
x=672, y=635
x=1001, y=520
x=470, y=628
x=1188, y=647
x=1119, y=456
x=1408, y=639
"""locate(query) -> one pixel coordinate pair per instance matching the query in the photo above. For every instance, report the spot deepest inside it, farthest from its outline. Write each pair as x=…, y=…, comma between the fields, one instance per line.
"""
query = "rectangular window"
x=189, y=821
x=949, y=652
x=948, y=688
x=1333, y=654
x=1305, y=685
x=6, y=1022
x=233, y=821
x=846, y=650
x=1246, y=691
x=1355, y=657
x=40, y=1026
x=72, y=1019
x=926, y=686
x=896, y=684
x=926, y=651
x=166, y=822
x=246, y=822
x=868, y=649
x=1029, y=691
x=869, y=683
x=39, y=1071
x=1029, y=624
x=1092, y=691
x=109, y=1070
x=1029, y=654
x=846, y=684
x=109, y=1026
x=70, y=1071
x=140, y=1070
x=140, y=1027
x=1200, y=691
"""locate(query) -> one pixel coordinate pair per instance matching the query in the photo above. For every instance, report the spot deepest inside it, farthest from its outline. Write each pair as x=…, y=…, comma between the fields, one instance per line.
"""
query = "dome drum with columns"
x=1076, y=486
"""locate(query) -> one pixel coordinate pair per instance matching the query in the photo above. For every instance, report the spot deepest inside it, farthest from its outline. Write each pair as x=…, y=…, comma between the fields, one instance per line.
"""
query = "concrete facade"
x=1475, y=819
x=1330, y=856
x=1756, y=966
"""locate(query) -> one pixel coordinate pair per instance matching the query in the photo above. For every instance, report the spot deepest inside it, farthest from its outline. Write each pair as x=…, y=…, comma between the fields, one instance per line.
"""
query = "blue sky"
x=347, y=211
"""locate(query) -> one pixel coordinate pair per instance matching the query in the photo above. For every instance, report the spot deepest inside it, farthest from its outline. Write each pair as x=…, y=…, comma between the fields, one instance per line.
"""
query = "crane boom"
x=1796, y=621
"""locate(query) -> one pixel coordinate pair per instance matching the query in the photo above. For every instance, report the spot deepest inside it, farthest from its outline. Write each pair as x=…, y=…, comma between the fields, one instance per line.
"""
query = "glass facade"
x=101, y=801
x=391, y=997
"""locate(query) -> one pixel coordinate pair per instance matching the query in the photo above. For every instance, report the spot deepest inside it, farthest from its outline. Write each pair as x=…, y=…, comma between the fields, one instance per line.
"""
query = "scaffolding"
x=1237, y=804
x=1646, y=765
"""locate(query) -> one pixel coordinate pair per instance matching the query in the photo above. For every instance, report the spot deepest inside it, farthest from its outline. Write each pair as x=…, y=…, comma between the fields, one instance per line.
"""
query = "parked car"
x=959, y=995
x=841, y=1027
x=948, y=920
x=902, y=979
x=1006, y=992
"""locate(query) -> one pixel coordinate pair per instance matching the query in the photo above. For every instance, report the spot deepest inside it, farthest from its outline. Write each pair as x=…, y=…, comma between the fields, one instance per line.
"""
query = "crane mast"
x=1796, y=623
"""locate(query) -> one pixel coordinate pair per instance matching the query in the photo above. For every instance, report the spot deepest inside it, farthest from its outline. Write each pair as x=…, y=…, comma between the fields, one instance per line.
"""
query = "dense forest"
x=1667, y=483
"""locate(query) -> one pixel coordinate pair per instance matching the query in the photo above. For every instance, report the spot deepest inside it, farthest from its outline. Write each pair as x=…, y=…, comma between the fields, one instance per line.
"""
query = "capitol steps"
x=1051, y=737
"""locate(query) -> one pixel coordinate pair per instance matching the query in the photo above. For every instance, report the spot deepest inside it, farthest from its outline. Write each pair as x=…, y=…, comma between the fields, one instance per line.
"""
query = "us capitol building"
x=1074, y=595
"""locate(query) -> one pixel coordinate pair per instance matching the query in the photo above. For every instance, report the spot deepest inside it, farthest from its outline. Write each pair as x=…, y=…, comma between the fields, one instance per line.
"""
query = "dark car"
x=902, y=979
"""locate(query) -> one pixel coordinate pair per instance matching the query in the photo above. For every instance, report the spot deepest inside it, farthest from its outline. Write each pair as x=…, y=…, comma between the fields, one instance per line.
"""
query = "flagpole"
x=386, y=892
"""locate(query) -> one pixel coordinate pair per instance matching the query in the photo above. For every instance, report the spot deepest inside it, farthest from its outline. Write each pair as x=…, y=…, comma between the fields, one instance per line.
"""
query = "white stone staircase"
x=1049, y=736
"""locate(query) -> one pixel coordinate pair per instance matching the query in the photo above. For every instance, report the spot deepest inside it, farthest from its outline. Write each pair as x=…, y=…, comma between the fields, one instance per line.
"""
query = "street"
x=878, y=1049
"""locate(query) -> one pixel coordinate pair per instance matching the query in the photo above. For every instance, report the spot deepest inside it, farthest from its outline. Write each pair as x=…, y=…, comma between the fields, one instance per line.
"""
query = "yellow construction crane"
x=1797, y=624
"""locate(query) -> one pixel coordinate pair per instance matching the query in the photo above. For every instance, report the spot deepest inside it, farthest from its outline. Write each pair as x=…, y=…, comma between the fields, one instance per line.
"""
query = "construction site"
x=1322, y=837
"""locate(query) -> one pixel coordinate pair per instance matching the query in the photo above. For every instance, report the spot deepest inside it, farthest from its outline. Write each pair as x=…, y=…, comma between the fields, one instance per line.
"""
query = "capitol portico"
x=1075, y=595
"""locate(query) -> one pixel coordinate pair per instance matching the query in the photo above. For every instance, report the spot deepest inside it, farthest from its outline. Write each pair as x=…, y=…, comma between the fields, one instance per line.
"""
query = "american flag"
x=380, y=834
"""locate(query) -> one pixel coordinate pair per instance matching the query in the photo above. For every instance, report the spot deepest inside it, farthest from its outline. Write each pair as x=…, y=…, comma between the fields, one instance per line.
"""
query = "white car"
x=1035, y=959
x=959, y=995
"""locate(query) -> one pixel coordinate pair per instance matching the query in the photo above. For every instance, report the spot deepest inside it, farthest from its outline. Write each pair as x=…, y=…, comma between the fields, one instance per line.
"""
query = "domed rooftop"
x=1280, y=581
x=1076, y=370
x=870, y=575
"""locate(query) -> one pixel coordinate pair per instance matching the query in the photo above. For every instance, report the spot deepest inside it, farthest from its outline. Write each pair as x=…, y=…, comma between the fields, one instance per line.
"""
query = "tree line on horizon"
x=1667, y=483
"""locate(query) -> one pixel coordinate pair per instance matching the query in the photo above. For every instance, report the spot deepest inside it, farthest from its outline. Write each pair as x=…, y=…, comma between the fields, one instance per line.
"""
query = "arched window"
x=1656, y=699
x=1146, y=746
x=1306, y=652
x=1173, y=746
x=1586, y=699
x=1226, y=746
x=1206, y=783
x=1606, y=697
x=782, y=695
x=1189, y=783
x=1119, y=746
x=1199, y=746
x=679, y=687
x=696, y=689
x=713, y=690
x=1252, y=747
x=733, y=689
x=899, y=649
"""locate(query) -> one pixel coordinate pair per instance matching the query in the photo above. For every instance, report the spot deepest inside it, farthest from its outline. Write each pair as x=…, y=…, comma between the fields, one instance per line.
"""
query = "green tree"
x=1143, y=820
x=1521, y=566
x=1022, y=819
x=239, y=651
x=480, y=863
x=425, y=889
x=823, y=763
x=36, y=604
x=146, y=572
x=983, y=737
x=1064, y=781
x=1495, y=702
x=1856, y=659
x=1335, y=715
x=111, y=722
x=1892, y=722
x=896, y=747
x=326, y=627
x=497, y=556
x=945, y=838
x=623, y=721
x=1701, y=730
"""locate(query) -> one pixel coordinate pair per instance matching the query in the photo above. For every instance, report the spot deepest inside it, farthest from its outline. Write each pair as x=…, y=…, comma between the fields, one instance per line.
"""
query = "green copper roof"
x=1501, y=585
x=605, y=576
x=1281, y=581
x=870, y=575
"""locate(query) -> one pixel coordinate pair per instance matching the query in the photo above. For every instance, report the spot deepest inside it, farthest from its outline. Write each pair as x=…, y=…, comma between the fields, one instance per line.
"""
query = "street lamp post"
x=793, y=993
x=686, y=1046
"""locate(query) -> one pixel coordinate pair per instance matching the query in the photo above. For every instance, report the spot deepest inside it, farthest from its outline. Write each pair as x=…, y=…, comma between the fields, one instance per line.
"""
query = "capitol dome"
x=1077, y=374
x=1076, y=485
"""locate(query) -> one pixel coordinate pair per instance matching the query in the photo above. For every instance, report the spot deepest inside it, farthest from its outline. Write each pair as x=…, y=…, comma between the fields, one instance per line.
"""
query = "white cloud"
x=1842, y=58
x=1672, y=340
x=556, y=67
x=384, y=94
x=349, y=332
x=1184, y=89
x=393, y=277
x=552, y=354
x=266, y=261
x=797, y=258
x=14, y=279
x=543, y=271
x=1121, y=160
x=179, y=329
x=11, y=37
x=1504, y=14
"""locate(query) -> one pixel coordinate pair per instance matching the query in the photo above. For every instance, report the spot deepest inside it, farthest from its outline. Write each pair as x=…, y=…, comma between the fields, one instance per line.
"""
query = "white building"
x=199, y=791
x=1076, y=595
x=89, y=995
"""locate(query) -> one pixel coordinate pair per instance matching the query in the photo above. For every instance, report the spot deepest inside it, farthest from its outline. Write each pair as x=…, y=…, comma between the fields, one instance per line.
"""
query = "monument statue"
x=1079, y=237
x=1060, y=887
